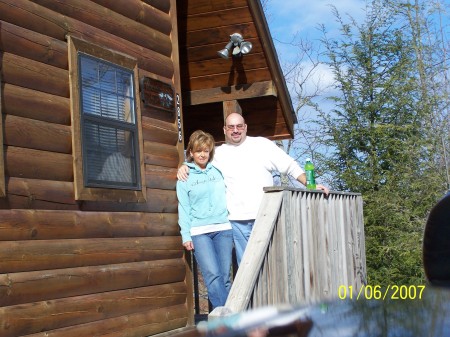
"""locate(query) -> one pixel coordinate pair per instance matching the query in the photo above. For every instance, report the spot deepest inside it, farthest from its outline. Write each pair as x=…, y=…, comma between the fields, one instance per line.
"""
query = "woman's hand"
x=189, y=245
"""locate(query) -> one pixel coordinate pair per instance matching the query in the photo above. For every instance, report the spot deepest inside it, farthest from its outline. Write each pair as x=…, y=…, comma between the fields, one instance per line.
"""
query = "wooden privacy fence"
x=303, y=249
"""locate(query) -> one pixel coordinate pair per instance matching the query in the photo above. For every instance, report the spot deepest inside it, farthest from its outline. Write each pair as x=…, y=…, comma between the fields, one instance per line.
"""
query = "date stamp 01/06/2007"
x=377, y=292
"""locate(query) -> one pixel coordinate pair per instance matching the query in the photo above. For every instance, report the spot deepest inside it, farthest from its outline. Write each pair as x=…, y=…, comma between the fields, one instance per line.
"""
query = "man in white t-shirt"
x=247, y=164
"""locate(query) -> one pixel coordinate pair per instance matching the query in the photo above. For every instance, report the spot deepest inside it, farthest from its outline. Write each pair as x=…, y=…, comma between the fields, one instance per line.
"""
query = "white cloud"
x=291, y=16
x=321, y=78
x=300, y=19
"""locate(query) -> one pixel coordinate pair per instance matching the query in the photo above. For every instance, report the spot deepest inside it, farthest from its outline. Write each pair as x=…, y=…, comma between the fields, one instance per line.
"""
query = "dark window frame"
x=103, y=191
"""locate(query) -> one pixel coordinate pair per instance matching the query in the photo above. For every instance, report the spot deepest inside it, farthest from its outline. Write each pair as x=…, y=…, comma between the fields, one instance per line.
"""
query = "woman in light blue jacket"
x=203, y=217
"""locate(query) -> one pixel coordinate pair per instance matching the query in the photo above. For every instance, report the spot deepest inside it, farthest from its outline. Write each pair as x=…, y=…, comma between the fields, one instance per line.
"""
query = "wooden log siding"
x=50, y=254
x=57, y=192
x=34, y=46
x=37, y=168
x=118, y=25
x=159, y=177
x=37, y=164
x=53, y=314
x=18, y=225
x=50, y=23
x=155, y=130
x=162, y=5
x=34, y=134
x=138, y=324
x=35, y=75
x=158, y=201
x=141, y=12
x=160, y=154
x=25, y=195
x=2, y=151
x=79, y=268
x=34, y=104
x=28, y=202
x=34, y=286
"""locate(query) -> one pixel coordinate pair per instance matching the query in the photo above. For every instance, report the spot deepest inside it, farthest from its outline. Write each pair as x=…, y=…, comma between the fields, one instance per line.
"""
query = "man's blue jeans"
x=213, y=254
x=241, y=233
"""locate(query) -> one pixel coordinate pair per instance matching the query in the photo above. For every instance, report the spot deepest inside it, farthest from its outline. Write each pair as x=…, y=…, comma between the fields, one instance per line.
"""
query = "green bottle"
x=310, y=176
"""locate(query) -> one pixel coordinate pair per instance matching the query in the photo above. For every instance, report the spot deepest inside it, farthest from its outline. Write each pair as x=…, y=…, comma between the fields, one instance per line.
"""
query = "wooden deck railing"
x=304, y=248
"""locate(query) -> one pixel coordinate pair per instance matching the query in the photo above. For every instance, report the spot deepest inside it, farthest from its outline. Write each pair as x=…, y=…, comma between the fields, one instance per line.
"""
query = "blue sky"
x=301, y=18
x=286, y=18
x=289, y=16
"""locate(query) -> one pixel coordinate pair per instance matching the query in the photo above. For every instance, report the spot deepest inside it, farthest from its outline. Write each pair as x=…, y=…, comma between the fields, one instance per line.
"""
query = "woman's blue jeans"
x=213, y=254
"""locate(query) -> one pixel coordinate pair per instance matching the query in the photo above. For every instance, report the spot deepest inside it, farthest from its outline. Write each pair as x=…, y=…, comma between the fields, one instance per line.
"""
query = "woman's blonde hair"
x=200, y=140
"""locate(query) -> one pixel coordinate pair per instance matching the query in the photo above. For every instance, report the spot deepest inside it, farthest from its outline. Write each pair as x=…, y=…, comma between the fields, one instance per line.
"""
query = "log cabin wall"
x=76, y=267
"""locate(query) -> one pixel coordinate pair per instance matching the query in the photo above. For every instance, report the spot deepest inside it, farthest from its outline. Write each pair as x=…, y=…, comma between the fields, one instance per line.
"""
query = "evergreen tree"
x=381, y=136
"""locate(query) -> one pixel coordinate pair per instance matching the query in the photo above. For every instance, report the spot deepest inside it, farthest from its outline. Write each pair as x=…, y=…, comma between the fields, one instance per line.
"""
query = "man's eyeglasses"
x=237, y=126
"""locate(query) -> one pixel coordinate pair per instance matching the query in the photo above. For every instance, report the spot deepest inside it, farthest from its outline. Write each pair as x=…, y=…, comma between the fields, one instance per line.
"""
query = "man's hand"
x=302, y=179
x=189, y=245
x=183, y=172
x=323, y=188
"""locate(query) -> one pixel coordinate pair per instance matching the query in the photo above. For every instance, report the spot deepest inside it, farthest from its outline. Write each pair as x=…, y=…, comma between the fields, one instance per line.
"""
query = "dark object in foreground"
x=260, y=322
x=436, y=244
x=426, y=315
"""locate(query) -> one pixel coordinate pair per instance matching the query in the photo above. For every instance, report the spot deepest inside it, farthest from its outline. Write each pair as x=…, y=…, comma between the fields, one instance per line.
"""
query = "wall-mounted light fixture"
x=237, y=46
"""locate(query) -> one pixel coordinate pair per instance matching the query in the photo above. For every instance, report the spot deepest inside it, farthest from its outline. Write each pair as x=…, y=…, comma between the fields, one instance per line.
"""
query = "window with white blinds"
x=108, y=123
x=107, y=142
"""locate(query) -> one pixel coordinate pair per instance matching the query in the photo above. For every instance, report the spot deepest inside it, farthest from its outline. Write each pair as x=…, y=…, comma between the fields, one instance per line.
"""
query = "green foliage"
x=383, y=137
